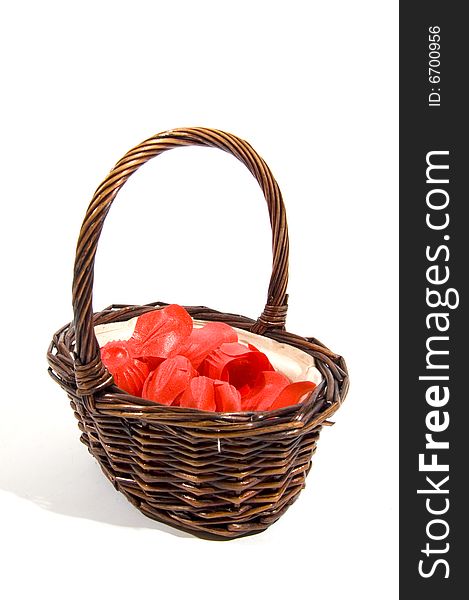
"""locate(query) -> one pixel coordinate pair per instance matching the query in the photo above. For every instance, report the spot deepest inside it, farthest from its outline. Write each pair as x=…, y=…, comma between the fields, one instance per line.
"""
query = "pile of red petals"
x=169, y=361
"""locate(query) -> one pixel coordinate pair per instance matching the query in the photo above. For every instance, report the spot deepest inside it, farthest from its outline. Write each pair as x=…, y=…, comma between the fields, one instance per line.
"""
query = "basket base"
x=205, y=532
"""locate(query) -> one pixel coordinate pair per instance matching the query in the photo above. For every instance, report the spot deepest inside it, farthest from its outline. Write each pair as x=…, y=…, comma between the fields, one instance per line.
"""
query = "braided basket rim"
x=316, y=409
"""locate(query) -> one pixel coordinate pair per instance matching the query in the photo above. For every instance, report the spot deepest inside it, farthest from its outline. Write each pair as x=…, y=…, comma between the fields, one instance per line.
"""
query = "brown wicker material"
x=219, y=475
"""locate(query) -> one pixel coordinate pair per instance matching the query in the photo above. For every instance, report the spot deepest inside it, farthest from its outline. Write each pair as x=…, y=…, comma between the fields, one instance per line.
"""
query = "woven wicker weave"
x=220, y=475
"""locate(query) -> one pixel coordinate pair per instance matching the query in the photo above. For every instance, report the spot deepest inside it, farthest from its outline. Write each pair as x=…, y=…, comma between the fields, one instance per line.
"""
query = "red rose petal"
x=169, y=380
x=152, y=361
x=199, y=394
x=129, y=373
x=267, y=388
x=244, y=390
x=292, y=394
x=227, y=397
x=204, y=340
x=236, y=364
x=159, y=333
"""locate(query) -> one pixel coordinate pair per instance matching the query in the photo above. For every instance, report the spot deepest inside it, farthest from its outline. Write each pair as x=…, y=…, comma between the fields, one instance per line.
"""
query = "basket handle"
x=90, y=372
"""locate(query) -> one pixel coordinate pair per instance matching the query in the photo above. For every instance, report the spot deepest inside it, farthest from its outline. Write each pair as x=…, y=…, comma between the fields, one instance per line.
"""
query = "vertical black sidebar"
x=434, y=344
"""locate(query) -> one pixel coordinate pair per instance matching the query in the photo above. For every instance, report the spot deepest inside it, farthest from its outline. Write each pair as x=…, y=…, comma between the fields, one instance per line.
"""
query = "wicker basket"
x=215, y=475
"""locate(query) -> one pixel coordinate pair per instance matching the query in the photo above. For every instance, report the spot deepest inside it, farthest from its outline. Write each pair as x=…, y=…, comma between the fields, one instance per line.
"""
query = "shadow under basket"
x=215, y=475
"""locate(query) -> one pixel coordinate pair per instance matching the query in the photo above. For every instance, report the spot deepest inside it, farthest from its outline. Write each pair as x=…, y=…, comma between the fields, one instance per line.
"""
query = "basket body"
x=213, y=475
x=218, y=475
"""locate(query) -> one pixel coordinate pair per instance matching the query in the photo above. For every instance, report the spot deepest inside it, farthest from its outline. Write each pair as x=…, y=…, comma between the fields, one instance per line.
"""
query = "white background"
x=313, y=87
